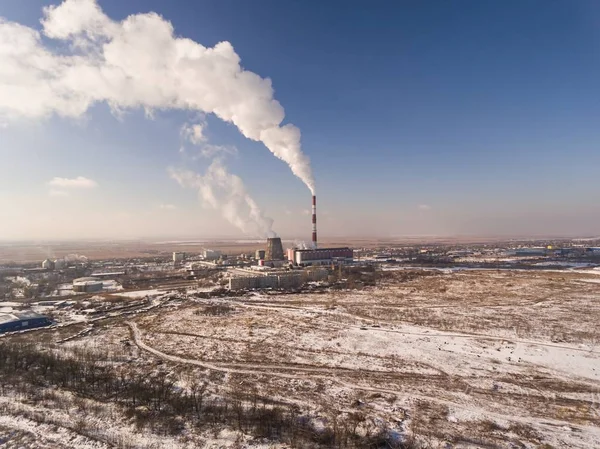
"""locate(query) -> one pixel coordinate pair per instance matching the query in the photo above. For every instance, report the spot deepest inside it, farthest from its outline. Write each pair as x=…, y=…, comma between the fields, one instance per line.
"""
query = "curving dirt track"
x=333, y=375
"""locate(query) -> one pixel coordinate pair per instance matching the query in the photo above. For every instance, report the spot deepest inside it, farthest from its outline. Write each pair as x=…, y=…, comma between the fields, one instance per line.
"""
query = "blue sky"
x=420, y=118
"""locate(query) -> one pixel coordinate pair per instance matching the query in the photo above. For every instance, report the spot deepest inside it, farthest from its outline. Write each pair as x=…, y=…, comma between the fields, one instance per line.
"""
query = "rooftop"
x=19, y=316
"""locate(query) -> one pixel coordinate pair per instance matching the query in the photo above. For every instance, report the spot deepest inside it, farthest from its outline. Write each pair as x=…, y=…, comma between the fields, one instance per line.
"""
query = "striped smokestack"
x=314, y=221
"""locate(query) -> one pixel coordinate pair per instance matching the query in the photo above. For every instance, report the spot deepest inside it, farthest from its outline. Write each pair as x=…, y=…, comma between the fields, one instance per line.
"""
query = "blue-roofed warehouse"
x=18, y=321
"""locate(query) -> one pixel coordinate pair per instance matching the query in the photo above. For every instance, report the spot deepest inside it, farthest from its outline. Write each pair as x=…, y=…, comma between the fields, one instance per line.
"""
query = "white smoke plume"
x=136, y=63
x=226, y=192
x=301, y=244
x=76, y=258
x=219, y=189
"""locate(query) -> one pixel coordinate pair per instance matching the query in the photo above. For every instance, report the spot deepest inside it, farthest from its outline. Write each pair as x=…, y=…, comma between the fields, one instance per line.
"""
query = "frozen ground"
x=454, y=359
x=140, y=293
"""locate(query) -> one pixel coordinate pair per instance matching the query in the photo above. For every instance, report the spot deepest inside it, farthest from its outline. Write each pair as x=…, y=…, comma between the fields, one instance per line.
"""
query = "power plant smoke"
x=226, y=192
x=135, y=63
x=219, y=189
x=75, y=258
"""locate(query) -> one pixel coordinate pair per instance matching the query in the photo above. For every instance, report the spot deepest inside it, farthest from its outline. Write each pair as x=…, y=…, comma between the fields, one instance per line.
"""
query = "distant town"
x=73, y=288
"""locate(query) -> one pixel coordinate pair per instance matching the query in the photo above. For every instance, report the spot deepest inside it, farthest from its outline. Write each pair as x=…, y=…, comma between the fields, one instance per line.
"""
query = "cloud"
x=137, y=63
x=55, y=192
x=73, y=183
x=167, y=206
x=424, y=207
x=210, y=151
x=194, y=133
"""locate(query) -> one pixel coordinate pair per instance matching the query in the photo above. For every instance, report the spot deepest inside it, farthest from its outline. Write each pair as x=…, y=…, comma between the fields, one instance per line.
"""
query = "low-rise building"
x=18, y=321
x=87, y=285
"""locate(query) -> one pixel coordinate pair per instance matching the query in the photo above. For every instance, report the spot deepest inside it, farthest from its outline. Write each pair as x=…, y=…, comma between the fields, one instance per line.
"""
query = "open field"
x=440, y=358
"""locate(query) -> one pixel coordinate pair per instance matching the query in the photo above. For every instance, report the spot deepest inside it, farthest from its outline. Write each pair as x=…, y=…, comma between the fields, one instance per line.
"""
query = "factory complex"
x=294, y=259
x=274, y=255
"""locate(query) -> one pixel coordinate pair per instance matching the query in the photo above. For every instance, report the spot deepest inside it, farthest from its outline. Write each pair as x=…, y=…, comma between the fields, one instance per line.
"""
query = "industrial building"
x=260, y=254
x=273, y=263
x=18, y=321
x=108, y=274
x=57, y=264
x=316, y=255
x=274, y=249
x=87, y=285
x=178, y=257
x=210, y=254
x=275, y=257
x=320, y=256
x=294, y=279
x=531, y=252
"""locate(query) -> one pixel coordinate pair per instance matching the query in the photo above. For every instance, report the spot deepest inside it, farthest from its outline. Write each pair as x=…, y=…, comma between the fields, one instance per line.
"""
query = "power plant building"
x=274, y=249
x=316, y=255
x=274, y=256
x=320, y=256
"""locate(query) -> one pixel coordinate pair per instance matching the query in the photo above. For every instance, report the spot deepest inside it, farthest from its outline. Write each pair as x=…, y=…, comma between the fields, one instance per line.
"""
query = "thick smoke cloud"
x=136, y=63
x=226, y=192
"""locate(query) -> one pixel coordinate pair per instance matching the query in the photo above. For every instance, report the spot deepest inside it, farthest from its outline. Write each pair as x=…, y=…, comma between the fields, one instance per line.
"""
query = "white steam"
x=226, y=192
x=136, y=63
x=219, y=189
x=76, y=258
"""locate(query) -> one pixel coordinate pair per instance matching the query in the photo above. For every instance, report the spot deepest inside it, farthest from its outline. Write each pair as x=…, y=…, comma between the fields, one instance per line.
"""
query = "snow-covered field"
x=474, y=358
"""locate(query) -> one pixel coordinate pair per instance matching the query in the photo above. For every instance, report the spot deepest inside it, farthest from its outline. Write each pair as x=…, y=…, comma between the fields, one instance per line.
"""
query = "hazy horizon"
x=166, y=239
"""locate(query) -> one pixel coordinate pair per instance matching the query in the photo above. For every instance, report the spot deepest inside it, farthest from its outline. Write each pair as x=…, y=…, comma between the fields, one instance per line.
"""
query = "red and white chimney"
x=314, y=221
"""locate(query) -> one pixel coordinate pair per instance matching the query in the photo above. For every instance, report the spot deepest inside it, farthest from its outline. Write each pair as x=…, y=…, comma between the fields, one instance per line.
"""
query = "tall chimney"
x=314, y=221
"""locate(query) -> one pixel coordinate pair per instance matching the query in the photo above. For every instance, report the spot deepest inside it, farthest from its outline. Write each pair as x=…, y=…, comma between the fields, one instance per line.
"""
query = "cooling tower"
x=274, y=249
